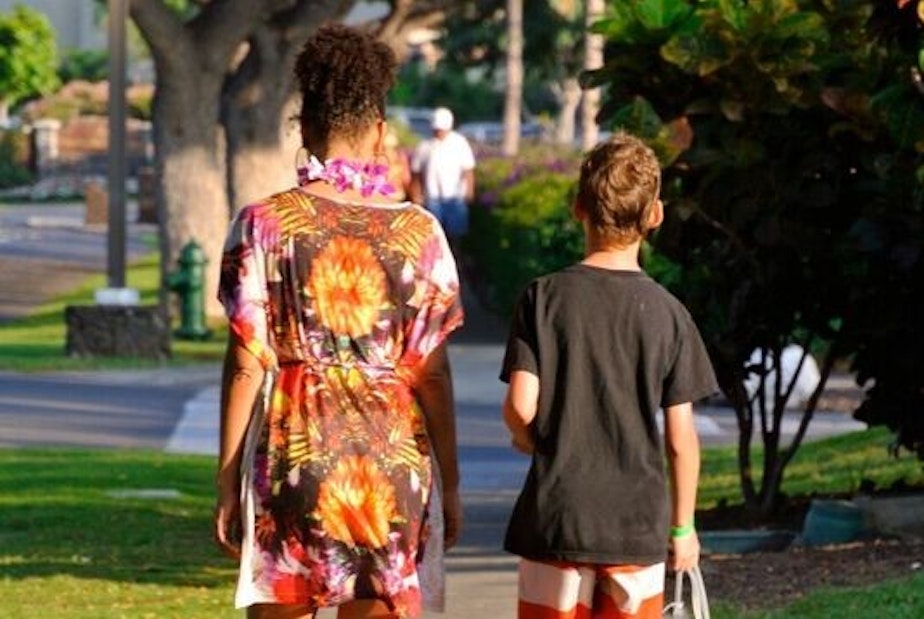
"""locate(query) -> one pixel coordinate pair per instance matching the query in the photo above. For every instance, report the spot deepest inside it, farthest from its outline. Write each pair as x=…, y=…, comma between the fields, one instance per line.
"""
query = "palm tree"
x=514, y=99
x=593, y=59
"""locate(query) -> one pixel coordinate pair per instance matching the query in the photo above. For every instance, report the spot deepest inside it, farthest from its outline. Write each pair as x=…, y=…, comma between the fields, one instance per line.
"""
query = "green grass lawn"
x=69, y=543
x=833, y=466
x=36, y=342
x=69, y=548
x=899, y=599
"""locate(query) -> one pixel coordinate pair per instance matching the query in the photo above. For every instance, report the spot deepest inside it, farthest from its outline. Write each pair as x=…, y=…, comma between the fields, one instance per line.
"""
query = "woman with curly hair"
x=337, y=473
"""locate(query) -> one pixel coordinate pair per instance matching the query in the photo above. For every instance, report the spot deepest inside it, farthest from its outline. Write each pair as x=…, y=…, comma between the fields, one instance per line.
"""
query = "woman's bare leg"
x=365, y=609
x=280, y=611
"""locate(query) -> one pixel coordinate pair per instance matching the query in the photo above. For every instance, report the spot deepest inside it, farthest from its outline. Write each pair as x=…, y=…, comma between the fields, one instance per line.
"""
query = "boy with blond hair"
x=595, y=350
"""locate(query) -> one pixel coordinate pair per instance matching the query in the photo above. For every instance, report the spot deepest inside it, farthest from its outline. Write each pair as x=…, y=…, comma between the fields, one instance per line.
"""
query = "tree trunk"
x=513, y=105
x=259, y=106
x=193, y=203
x=569, y=99
x=593, y=59
x=191, y=60
x=4, y=113
x=257, y=99
x=259, y=167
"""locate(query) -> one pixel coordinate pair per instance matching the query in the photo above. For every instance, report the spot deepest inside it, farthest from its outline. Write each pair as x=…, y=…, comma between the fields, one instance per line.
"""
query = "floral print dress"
x=341, y=303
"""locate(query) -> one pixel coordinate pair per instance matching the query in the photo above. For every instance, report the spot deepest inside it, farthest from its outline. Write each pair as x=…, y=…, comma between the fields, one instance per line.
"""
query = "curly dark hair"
x=344, y=76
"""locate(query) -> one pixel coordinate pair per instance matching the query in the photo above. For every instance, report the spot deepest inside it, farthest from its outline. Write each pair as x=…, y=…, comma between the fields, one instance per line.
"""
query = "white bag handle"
x=699, y=600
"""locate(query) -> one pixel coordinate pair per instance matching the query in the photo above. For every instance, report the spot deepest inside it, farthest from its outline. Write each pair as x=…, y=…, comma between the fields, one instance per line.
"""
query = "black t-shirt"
x=610, y=348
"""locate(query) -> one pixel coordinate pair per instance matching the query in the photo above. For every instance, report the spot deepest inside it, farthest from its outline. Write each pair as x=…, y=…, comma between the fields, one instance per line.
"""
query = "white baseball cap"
x=442, y=119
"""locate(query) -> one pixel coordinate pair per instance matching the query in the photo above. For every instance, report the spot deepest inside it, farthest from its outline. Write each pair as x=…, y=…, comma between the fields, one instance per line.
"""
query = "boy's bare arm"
x=520, y=407
x=684, y=458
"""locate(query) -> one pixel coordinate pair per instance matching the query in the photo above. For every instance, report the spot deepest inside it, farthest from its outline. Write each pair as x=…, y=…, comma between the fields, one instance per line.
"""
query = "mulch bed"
x=775, y=579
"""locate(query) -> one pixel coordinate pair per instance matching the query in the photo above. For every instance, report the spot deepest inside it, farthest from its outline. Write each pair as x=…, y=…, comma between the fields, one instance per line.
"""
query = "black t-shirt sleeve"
x=522, y=344
x=691, y=377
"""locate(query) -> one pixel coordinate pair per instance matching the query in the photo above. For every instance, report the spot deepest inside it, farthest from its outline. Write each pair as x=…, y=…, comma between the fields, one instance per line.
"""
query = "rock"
x=131, y=331
x=806, y=381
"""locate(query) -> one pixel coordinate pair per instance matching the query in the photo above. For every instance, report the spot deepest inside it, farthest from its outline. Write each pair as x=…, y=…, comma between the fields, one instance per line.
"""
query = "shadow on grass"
x=165, y=545
x=64, y=512
x=44, y=356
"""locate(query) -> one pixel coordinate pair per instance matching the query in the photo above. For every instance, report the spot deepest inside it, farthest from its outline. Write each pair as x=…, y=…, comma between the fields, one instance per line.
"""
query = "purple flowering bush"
x=521, y=224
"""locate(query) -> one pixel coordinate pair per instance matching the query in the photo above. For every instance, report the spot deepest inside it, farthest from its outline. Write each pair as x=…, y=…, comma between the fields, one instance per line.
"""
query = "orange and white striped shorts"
x=562, y=590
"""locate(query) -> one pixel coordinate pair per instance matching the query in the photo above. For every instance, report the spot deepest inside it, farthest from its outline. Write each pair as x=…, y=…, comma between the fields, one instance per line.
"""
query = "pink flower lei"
x=342, y=174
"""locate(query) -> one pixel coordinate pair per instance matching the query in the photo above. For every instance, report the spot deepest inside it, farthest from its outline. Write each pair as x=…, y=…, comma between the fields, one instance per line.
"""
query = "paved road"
x=90, y=410
x=45, y=250
x=56, y=232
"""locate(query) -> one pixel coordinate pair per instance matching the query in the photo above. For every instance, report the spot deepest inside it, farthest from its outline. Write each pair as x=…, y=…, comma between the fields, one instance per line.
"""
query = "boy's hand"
x=684, y=552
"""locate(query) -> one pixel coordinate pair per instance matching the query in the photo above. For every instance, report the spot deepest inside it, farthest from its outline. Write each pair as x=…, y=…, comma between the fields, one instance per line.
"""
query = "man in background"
x=443, y=175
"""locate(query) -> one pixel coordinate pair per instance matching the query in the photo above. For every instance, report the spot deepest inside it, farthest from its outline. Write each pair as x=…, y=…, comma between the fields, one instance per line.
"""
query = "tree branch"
x=812, y=403
x=223, y=24
x=161, y=28
x=406, y=16
x=391, y=24
x=304, y=16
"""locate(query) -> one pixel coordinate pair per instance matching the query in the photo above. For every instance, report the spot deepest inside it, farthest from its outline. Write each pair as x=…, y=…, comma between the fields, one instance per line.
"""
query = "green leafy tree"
x=774, y=154
x=28, y=57
x=889, y=338
x=476, y=37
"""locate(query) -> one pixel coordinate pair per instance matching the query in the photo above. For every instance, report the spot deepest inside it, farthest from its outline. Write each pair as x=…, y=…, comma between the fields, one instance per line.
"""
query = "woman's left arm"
x=434, y=392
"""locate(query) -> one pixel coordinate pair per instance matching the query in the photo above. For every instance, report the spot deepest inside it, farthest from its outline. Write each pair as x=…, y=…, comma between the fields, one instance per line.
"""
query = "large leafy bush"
x=786, y=186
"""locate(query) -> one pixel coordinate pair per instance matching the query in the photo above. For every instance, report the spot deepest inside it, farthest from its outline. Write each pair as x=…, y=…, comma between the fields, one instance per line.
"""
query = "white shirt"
x=441, y=164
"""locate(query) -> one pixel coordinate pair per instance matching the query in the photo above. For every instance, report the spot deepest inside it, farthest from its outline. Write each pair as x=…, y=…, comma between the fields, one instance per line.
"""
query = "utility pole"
x=118, y=14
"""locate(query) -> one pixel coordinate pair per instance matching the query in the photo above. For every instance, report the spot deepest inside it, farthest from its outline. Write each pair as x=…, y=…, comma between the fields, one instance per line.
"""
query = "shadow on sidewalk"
x=481, y=326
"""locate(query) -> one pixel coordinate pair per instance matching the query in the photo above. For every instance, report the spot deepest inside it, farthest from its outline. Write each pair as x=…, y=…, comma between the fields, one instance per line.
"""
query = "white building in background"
x=77, y=23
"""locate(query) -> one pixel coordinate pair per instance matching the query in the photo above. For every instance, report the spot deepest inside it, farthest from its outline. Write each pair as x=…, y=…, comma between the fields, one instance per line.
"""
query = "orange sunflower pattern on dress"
x=341, y=303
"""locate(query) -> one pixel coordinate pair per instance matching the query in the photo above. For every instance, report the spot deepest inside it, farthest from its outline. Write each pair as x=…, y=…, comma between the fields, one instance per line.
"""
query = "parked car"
x=492, y=132
x=417, y=119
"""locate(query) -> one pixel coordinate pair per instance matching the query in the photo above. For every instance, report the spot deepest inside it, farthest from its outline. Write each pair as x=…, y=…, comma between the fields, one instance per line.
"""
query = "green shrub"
x=14, y=149
x=91, y=65
x=140, y=105
x=521, y=227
